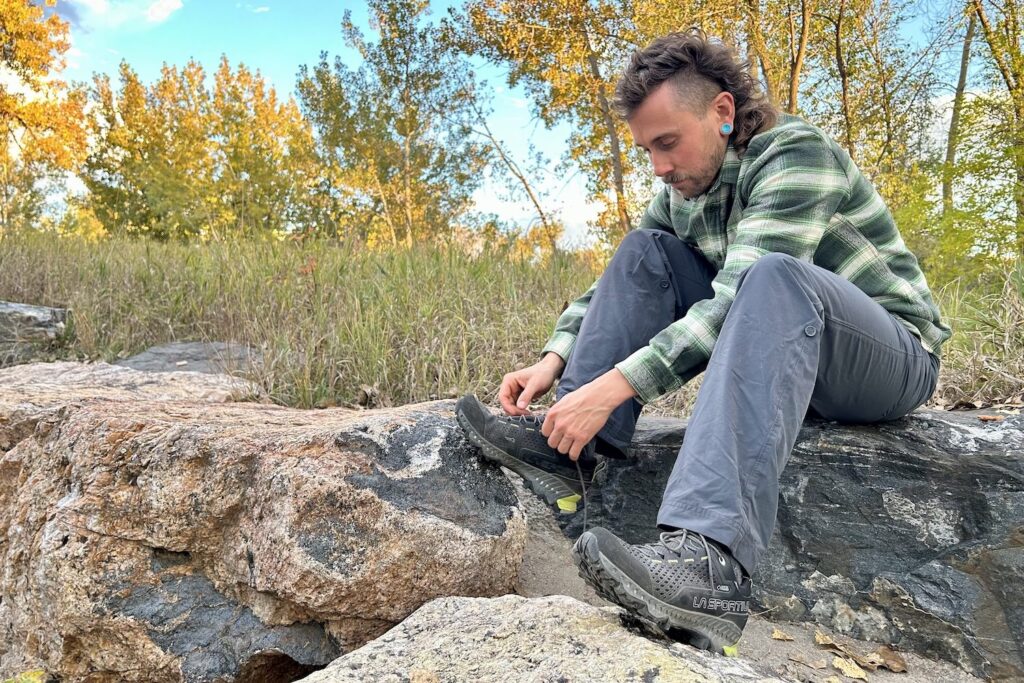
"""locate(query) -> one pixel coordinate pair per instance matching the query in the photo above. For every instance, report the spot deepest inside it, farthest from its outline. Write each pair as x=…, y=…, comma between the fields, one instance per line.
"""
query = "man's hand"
x=579, y=415
x=522, y=386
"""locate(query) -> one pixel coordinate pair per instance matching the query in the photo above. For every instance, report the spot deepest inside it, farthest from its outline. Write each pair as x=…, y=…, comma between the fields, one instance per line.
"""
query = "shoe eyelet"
x=721, y=560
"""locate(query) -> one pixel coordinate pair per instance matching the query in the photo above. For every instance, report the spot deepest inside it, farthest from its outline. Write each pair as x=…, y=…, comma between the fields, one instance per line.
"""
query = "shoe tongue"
x=693, y=541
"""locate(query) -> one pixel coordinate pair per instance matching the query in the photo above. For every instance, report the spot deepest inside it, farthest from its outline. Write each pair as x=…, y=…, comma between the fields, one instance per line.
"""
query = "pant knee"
x=636, y=240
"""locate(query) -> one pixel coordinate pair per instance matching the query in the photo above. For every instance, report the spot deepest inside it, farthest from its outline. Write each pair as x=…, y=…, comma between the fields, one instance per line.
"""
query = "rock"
x=30, y=392
x=146, y=539
x=512, y=638
x=27, y=332
x=910, y=532
x=208, y=357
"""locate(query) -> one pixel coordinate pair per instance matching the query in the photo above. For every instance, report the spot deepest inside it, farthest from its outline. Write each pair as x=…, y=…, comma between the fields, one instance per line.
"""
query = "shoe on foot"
x=517, y=443
x=688, y=585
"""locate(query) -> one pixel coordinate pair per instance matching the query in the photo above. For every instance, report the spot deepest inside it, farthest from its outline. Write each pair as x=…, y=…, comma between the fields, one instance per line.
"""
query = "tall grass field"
x=332, y=321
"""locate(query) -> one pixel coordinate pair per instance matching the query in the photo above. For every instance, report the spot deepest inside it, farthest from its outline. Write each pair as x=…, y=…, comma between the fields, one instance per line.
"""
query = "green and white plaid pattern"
x=794, y=191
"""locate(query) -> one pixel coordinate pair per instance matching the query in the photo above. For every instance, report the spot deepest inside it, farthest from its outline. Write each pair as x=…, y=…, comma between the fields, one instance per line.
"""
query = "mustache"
x=670, y=179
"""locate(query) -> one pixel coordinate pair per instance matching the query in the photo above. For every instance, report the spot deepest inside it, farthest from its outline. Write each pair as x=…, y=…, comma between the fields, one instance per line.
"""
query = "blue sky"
x=276, y=37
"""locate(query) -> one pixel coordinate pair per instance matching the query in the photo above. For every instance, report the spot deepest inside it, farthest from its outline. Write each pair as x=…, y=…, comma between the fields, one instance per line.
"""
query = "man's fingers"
x=507, y=394
x=574, y=452
x=523, y=403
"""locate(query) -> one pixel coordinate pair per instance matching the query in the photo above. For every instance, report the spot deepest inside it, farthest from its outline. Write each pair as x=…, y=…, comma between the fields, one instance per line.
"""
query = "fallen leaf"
x=779, y=634
x=891, y=659
x=991, y=418
x=869, y=662
x=849, y=668
x=800, y=659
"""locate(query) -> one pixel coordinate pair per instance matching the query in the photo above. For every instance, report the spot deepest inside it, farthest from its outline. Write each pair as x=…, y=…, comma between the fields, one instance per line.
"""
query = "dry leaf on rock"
x=800, y=659
x=849, y=668
x=891, y=659
x=991, y=418
x=833, y=679
x=779, y=634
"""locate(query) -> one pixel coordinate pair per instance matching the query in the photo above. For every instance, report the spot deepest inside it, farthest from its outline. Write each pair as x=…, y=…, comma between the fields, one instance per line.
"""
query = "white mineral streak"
x=937, y=526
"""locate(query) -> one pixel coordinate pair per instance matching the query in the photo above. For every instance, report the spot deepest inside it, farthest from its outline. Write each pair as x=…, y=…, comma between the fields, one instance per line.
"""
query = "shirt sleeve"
x=794, y=188
x=563, y=339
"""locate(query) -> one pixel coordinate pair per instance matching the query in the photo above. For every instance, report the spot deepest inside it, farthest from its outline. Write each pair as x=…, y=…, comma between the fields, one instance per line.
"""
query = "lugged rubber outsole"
x=548, y=486
x=703, y=631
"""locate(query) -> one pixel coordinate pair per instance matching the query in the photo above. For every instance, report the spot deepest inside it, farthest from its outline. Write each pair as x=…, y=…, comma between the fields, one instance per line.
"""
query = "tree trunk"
x=759, y=51
x=954, y=123
x=806, y=7
x=613, y=141
x=1006, y=53
x=844, y=80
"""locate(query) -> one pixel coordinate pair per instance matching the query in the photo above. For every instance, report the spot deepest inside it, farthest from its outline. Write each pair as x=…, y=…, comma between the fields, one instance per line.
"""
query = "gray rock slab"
x=28, y=332
x=909, y=532
x=194, y=356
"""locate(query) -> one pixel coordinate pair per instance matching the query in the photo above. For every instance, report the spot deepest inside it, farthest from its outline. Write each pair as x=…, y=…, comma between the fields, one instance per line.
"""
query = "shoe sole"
x=548, y=486
x=703, y=631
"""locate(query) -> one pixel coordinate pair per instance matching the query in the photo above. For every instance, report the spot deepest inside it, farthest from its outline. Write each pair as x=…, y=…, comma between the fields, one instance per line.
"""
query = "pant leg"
x=796, y=336
x=651, y=281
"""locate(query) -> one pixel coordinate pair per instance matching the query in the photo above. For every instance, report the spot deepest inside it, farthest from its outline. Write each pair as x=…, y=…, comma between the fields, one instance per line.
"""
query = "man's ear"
x=723, y=107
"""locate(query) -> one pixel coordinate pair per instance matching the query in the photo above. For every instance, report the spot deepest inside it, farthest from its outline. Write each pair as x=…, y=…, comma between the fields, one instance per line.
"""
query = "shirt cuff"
x=560, y=343
x=648, y=375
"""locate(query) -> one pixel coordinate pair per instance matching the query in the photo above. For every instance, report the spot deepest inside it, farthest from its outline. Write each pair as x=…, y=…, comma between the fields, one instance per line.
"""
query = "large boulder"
x=512, y=638
x=32, y=391
x=146, y=538
x=28, y=332
x=909, y=532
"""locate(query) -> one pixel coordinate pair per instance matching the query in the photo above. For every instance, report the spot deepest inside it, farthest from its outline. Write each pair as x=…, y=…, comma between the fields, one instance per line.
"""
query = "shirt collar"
x=730, y=170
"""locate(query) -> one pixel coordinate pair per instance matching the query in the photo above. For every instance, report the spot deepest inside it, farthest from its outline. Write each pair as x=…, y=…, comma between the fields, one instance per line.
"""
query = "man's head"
x=685, y=97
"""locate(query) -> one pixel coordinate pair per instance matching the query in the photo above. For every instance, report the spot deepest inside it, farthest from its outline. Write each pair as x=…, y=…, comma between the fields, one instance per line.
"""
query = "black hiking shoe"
x=689, y=586
x=517, y=443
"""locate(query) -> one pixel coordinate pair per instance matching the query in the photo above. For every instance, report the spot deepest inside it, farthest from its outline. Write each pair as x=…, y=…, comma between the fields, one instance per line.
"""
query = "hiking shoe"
x=688, y=585
x=517, y=443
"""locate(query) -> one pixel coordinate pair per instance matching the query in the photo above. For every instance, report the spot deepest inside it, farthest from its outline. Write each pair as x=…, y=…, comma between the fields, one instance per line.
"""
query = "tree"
x=40, y=117
x=395, y=129
x=177, y=159
x=1001, y=26
x=563, y=54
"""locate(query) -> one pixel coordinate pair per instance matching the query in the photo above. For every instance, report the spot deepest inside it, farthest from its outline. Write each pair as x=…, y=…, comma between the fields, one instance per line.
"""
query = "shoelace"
x=666, y=536
x=583, y=486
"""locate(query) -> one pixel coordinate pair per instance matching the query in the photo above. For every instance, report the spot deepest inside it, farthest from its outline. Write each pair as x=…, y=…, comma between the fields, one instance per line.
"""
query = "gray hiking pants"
x=797, y=337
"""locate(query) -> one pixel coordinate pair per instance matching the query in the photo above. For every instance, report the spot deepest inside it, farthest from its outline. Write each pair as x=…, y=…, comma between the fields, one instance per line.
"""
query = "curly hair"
x=699, y=68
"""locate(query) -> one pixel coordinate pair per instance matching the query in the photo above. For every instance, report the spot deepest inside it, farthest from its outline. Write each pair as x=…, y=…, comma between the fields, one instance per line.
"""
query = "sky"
x=276, y=37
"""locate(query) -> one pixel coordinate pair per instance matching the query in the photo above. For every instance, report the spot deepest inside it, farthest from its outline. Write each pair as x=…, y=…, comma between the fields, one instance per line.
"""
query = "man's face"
x=686, y=150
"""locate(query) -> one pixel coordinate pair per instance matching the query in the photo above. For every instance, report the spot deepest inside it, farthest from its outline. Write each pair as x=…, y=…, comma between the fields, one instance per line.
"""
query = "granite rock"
x=147, y=538
x=511, y=638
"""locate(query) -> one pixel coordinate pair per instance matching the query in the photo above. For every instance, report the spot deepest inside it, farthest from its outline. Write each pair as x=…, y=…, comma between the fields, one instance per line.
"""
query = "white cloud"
x=260, y=10
x=160, y=10
x=113, y=14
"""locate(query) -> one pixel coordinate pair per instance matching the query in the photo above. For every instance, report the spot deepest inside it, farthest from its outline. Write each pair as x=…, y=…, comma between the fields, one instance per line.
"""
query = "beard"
x=696, y=184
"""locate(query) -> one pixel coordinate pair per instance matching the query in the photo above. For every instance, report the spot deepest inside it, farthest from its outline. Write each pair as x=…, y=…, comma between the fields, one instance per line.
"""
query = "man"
x=769, y=261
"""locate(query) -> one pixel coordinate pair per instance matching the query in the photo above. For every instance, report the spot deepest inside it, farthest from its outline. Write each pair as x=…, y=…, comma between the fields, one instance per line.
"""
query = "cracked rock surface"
x=511, y=638
x=148, y=536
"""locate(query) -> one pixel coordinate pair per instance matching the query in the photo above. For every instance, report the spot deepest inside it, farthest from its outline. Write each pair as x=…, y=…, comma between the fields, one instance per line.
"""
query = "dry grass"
x=983, y=363
x=412, y=325
x=327, y=319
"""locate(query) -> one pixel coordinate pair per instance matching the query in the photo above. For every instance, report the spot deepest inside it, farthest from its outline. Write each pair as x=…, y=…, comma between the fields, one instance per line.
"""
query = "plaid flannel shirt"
x=795, y=191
